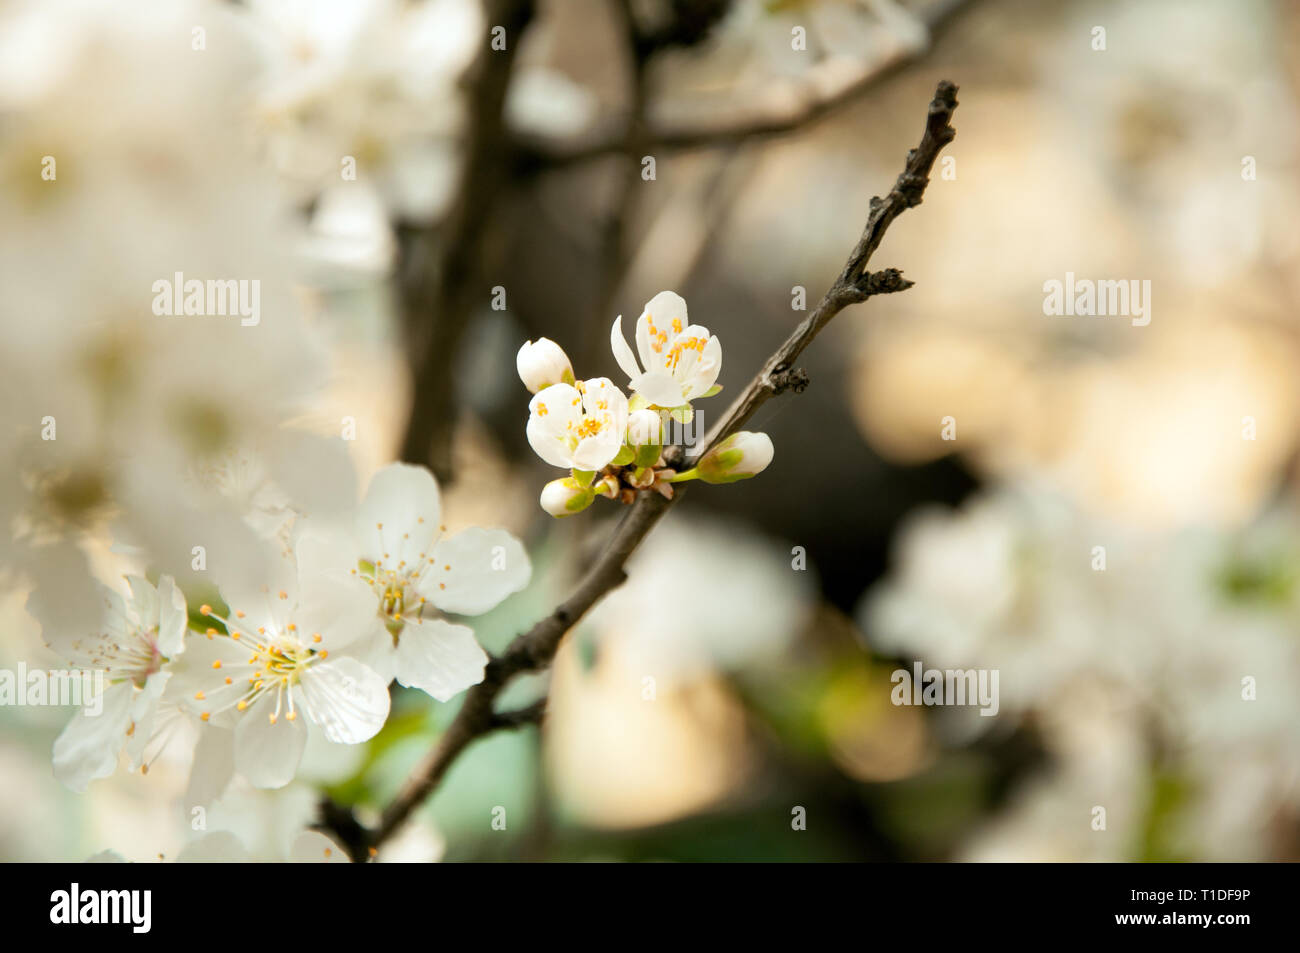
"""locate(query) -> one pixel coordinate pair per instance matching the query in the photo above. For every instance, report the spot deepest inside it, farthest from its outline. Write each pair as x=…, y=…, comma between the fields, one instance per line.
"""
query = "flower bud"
x=566, y=496
x=739, y=457
x=645, y=432
x=542, y=363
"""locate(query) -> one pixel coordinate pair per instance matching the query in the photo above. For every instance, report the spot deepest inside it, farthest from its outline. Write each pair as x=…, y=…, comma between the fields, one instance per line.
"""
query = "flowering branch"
x=534, y=650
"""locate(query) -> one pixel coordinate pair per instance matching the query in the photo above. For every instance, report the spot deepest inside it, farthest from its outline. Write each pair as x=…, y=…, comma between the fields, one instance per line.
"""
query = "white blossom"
x=138, y=638
x=410, y=572
x=582, y=426
x=680, y=361
x=373, y=80
x=278, y=653
x=542, y=363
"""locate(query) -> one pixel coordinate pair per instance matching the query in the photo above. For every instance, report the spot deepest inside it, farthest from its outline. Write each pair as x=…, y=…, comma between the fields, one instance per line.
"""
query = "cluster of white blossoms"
x=355, y=604
x=257, y=606
x=613, y=445
x=124, y=162
x=359, y=111
x=1175, y=649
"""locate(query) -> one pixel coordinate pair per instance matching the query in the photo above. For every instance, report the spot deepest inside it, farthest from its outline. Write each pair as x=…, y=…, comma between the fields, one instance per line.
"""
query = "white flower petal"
x=194, y=672
x=554, y=412
x=262, y=601
x=554, y=415
x=440, y=658
x=555, y=406
x=172, y=618
x=593, y=453
x=144, y=598
x=219, y=847
x=601, y=395
x=268, y=754
x=347, y=699
x=336, y=605
x=550, y=446
x=687, y=357
x=664, y=307
x=146, y=717
x=542, y=363
x=320, y=549
x=213, y=766
x=389, y=520
x=474, y=570
x=655, y=328
x=622, y=352
x=704, y=373
x=315, y=471
x=659, y=388
x=116, y=622
x=313, y=847
x=376, y=651
x=648, y=347
x=89, y=746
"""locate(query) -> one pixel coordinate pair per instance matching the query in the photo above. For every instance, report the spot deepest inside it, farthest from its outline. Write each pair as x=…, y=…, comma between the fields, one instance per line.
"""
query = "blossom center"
x=278, y=661
x=132, y=659
x=675, y=352
x=396, y=590
x=589, y=428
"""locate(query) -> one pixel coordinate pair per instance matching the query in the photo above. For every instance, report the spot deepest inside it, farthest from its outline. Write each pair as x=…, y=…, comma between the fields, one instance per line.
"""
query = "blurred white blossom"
x=1188, y=634
x=137, y=639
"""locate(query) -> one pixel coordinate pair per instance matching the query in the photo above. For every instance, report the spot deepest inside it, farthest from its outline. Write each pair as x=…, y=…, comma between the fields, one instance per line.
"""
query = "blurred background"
x=744, y=671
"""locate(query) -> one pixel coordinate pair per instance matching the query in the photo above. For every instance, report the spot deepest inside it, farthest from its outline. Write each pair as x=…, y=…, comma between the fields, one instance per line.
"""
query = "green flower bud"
x=566, y=496
x=739, y=457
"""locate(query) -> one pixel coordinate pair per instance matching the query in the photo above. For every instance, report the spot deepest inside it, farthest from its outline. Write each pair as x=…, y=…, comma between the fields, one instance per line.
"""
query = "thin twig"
x=854, y=283
x=535, y=649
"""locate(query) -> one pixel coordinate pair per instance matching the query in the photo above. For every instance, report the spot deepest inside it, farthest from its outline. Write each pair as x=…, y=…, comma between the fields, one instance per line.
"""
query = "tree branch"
x=535, y=649
x=528, y=715
x=818, y=101
x=439, y=273
x=854, y=283
x=529, y=652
